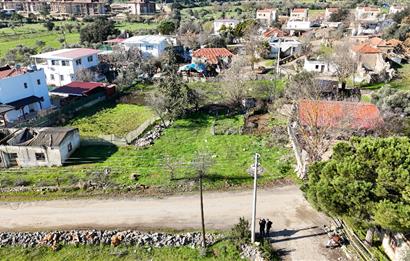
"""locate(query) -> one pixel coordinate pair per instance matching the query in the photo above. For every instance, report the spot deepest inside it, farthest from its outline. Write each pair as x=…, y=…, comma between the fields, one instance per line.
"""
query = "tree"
x=234, y=82
x=367, y=180
x=84, y=75
x=166, y=27
x=69, y=27
x=49, y=25
x=98, y=31
x=344, y=63
x=202, y=163
x=340, y=15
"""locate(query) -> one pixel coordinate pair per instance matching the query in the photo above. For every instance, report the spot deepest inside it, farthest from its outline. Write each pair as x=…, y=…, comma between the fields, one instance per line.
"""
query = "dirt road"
x=295, y=229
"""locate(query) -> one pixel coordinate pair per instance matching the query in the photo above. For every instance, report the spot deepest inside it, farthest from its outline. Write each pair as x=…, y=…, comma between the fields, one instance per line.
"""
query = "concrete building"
x=25, y=6
x=218, y=24
x=37, y=147
x=394, y=9
x=266, y=16
x=286, y=46
x=319, y=66
x=78, y=8
x=367, y=13
x=136, y=7
x=62, y=65
x=149, y=45
x=23, y=91
x=299, y=14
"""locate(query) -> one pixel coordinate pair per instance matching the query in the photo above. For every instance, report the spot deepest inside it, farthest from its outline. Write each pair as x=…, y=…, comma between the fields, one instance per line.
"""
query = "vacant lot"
x=232, y=156
x=113, y=119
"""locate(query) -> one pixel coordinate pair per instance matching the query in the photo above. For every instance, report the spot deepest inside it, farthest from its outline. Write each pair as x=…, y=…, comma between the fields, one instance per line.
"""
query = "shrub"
x=241, y=231
x=21, y=183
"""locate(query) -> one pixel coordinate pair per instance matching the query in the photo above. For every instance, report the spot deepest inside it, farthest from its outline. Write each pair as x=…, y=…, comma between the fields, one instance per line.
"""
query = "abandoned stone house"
x=36, y=147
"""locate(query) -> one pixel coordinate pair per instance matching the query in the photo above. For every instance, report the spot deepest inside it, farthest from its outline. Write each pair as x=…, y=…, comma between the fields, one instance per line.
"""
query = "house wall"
x=300, y=16
x=298, y=25
x=319, y=67
x=26, y=155
x=67, y=72
x=396, y=247
x=13, y=89
x=149, y=49
x=266, y=17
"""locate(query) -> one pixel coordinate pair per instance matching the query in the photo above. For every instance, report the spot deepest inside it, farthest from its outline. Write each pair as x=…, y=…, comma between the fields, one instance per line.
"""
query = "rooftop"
x=273, y=32
x=70, y=54
x=365, y=49
x=267, y=10
x=339, y=114
x=78, y=88
x=299, y=10
x=212, y=54
x=7, y=71
x=150, y=39
x=376, y=41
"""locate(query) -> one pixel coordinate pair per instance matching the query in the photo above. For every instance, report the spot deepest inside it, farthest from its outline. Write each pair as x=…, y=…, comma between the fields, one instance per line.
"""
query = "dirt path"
x=295, y=229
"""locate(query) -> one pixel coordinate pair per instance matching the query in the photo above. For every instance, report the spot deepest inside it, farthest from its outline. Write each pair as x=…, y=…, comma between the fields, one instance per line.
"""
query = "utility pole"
x=278, y=58
x=255, y=177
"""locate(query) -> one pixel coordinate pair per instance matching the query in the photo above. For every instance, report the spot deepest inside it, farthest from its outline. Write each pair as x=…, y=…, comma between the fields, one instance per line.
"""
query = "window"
x=38, y=82
x=40, y=156
x=149, y=47
x=25, y=85
x=90, y=58
x=52, y=77
x=13, y=156
x=54, y=62
x=78, y=62
x=317, y=66
x=69, y=147
x=61, y=77
x=65, y=63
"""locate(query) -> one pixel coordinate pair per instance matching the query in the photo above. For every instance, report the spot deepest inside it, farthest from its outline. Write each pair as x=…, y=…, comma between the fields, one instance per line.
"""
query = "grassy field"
x=136, y=26
x=224, y=250
x=111, y=119
x=232, y=155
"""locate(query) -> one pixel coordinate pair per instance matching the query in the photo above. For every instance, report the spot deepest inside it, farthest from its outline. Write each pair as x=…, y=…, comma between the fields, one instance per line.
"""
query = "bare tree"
x=171, y=166
x=84, y=75
x=157, y=102
x=201, y=164
x=234, y=82
x=344, y=62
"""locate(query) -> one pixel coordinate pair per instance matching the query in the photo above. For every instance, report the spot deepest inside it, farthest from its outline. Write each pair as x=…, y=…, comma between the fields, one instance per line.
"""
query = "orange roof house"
x=274, y=32
x=365, y=49
x=212, y=55
x=377, y=41
x=339, y=114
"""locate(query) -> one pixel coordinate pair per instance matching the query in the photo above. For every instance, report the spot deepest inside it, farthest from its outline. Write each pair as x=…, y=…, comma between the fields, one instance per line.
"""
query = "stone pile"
x=150, y=137
x=105, y=237
x=251, y=252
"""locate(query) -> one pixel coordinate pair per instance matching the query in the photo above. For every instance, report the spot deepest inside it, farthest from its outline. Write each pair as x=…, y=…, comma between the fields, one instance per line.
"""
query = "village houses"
x=266, y=16
x=23, y=92
x=62, y=65
x=149, y=45
x=133, y=7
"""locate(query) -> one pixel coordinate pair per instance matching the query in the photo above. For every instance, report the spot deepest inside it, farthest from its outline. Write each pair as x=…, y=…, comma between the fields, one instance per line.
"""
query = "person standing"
x=268, y=226
x=262, y=223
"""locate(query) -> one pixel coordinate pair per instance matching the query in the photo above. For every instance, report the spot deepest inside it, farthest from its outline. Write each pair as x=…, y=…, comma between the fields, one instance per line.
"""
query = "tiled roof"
x=51, y=137
x=299, y=10
x=365, y=49
x=212, y=54
x=376, y=41
x=339, y=114
x=371, y=9
x=78, y=88
x=393, y=42
x=11, y=72
x=116, y=40
x=273, y=32
x=266, y=10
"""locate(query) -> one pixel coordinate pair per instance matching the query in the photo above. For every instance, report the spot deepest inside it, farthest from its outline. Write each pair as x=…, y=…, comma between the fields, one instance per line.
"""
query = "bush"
x=241, y=231
x=21, y=183
x=268, y=252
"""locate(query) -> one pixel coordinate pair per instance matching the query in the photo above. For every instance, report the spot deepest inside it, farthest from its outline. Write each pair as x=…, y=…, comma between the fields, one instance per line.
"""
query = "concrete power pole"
x=255, y=177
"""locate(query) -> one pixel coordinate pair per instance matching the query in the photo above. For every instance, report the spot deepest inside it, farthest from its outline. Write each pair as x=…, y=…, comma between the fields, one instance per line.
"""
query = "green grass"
x=224, y=250
x=232, y=154
x=403, y=82
x=136, y=26
x=111, y=119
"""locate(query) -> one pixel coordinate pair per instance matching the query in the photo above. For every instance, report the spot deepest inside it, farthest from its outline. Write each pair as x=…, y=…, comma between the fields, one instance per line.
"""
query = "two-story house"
x=149, y=45
x=367, y=13
x=62, y=65
x=78, y=8
x=134, y=7
x=25, y=6
x=266, y=16
x=22, y=91
x=299, y=14
x=224, y=23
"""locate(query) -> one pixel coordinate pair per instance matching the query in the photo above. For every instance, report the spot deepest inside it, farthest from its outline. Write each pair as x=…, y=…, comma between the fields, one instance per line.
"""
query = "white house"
x=295, y=25
x=319, y=66
x=62, y=65
x=367, y=13
x=299, y=14
x=287, y=45
x=149, y=45
x=266, y=16
x=22, y=91
x=37, y=147
x=218, y=24
x=394, y=9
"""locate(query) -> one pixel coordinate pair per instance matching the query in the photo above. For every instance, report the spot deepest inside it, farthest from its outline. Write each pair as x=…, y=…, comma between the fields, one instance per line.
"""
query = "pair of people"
x=264, y=227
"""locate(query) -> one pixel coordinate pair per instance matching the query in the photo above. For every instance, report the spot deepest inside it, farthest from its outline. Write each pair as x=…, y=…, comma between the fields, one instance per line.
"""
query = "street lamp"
x=255, y=170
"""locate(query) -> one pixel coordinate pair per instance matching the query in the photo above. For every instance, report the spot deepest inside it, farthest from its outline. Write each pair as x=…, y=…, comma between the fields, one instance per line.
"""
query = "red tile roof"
x=266, y=10
x=377, y=41
x=298, y=10
x=116, y=40
x=339, y=114
x=79, y=88
x=212, y=54
x=274, y=32
x=365, y=49
x=11, y=72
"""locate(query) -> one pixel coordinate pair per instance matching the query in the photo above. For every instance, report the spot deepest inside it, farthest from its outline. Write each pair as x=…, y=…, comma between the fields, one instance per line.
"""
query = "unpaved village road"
x=296, y=226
